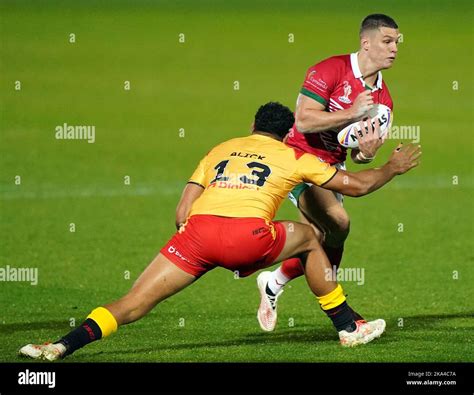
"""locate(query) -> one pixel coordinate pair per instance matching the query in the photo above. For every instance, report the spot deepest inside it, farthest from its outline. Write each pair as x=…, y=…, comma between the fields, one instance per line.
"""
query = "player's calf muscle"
x=160, y=280
x=130, y=308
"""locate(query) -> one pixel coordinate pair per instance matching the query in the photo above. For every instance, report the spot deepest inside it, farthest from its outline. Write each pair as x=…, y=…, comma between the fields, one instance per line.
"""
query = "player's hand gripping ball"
x=347, y=136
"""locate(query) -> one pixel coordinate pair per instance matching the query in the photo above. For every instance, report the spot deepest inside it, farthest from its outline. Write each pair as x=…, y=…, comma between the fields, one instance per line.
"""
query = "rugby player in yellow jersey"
x=225, y=219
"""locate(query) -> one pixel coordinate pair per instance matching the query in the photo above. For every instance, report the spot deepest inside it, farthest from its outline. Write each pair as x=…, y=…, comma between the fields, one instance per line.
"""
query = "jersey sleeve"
x=311, y=169
x=321, y=79
x=199, y=175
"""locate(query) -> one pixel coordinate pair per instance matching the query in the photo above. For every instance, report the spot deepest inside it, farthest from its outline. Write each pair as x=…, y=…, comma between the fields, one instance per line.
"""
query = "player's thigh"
x=160, y=279
x=300, y=238
x=321, y=207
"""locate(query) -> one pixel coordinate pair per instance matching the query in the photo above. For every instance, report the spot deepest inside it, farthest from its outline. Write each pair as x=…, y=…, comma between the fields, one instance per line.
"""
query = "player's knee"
x=317, y=234
x=340, y=223
x=313, y=239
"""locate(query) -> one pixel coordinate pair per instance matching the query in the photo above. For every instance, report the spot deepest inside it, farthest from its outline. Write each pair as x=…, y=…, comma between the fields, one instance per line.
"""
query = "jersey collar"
x=357, y=73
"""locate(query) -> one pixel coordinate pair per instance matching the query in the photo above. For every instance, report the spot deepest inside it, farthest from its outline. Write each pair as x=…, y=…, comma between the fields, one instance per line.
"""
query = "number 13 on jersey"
x=258, y=175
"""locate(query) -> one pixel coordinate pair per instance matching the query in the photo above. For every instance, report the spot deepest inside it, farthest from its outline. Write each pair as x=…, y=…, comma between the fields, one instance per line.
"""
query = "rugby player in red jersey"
x=225, y=218
x=336, y=92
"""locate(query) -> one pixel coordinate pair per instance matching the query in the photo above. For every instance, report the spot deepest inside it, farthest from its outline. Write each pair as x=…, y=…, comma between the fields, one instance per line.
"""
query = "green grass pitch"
x=180, y=103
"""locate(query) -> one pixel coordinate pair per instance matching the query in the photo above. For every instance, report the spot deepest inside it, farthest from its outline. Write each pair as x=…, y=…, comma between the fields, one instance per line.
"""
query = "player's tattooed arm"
x=361, y=183
x=312, y=117
x=190, y=193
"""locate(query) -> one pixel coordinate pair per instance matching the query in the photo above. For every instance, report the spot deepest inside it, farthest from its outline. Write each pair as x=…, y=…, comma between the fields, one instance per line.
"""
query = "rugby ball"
x=347, y=136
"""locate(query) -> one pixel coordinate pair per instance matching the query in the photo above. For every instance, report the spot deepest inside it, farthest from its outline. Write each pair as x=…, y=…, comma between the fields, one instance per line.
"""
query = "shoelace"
x=272, y=300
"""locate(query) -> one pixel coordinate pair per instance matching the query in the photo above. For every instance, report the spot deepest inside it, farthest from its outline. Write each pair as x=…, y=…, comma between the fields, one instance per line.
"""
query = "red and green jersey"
x=335, y=83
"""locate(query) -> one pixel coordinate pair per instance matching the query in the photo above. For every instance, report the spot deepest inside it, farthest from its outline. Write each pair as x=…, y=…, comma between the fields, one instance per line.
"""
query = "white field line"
x=91, y=191
x=12, y=192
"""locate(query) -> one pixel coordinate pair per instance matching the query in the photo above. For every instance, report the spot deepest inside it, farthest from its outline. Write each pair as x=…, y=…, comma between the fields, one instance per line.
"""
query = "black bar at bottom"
x=273, y=378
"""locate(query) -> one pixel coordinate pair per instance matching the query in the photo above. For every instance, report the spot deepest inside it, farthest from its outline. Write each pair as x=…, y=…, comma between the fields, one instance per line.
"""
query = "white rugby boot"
x=46, y=351
x=267, y=311
x=364, y=333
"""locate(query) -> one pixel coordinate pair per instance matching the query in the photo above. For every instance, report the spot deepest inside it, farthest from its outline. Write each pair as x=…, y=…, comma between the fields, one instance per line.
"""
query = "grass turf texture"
x=119, y=228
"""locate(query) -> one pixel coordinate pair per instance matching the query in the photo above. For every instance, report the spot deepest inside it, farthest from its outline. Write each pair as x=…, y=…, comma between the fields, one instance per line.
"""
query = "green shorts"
x=294, y=195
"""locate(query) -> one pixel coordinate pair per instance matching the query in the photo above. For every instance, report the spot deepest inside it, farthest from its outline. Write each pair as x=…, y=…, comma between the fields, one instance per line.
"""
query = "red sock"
x=334, y=255
x=292, y=268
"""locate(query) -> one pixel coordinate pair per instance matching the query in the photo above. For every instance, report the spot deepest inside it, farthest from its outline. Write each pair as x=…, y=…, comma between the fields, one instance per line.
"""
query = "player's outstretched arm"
x=190, y=193
x=361, y=183
x=311, y=117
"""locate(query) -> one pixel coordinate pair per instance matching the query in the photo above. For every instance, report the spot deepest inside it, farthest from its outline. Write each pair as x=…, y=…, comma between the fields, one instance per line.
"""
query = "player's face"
x=382, y=45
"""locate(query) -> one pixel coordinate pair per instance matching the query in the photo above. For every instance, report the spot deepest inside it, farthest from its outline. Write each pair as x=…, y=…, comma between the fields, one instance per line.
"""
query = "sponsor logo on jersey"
x=318, y=83
x=173, y=250
x=347, y=91
x=258, y=231
x=230, y=185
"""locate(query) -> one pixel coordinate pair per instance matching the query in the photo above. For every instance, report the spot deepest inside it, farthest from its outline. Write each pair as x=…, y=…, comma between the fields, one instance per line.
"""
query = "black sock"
x=356, y=315
x=88, y=332
x=342, y=317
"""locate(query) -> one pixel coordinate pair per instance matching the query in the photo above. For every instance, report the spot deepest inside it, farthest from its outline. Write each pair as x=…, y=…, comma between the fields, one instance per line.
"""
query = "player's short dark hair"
x=376, y=21
x=274, y=118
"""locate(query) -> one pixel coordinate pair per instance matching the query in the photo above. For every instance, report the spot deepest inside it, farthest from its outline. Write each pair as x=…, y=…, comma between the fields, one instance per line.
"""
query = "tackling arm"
x=366, y=181
x=190, y=193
